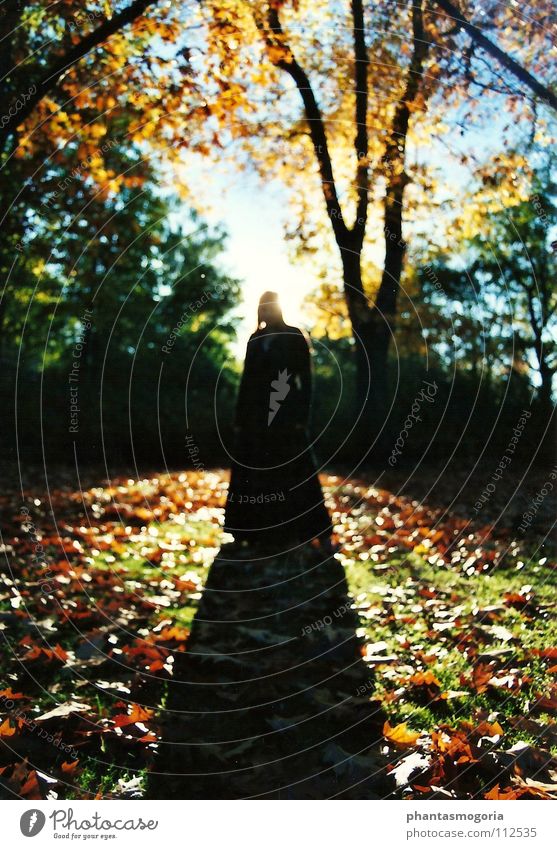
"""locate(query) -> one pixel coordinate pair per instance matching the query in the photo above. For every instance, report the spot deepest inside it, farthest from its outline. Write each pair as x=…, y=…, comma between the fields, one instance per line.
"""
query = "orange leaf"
x=547, y=654
x=69, y=768
x=59, y=652
x=497, y=793
x=9, y=694
x=138, y=714
x=425, y=678
x=481, y=674
x=174, y=632
x=6, y=729
x=399, y=734
x=31, y=789
x=489, y=729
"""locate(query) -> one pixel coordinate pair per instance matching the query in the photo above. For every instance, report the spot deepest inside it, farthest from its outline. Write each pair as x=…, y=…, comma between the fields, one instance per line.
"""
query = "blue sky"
x=256, y=251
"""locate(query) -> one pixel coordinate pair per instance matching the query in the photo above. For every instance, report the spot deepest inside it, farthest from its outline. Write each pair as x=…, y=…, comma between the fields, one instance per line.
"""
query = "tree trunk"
x=546, y=386
x=374, y=327
x=545, y=370
x=372, y=333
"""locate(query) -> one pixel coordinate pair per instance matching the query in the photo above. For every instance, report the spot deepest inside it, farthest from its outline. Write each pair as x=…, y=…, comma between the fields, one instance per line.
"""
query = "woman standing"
x=274, y=494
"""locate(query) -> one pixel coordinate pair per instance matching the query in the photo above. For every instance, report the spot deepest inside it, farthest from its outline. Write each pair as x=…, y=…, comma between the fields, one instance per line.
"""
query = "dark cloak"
x=274, y=492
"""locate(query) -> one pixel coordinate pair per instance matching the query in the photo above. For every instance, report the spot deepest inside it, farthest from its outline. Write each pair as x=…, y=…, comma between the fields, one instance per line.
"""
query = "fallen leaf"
x=400, y=735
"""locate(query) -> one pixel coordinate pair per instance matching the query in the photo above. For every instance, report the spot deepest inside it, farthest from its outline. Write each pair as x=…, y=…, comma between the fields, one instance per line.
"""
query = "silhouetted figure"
x=274, y=494
x=272, y=697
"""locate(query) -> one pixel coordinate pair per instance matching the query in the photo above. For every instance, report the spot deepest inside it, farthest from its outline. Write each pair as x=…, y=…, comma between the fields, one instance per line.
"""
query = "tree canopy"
x=392, y=128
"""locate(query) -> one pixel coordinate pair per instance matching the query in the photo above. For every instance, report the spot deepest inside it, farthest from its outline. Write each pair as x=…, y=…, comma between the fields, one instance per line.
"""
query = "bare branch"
x=394, y=160
x=60, y=65
x=541, y=90
x=288, y=63
x=361, y=141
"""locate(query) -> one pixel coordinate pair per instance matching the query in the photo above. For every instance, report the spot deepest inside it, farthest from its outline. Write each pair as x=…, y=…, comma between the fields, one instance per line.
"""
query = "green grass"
x=469, y=593
x=182, y=550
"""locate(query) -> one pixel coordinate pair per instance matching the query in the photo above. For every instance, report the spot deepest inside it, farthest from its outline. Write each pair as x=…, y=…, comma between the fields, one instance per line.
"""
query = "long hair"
x=269, y=311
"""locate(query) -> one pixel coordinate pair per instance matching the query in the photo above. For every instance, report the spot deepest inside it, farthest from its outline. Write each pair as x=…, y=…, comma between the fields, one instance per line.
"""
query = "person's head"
x=269, y=313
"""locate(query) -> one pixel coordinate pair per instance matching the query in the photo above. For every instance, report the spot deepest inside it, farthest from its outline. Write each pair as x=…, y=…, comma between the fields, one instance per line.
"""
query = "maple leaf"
x=7, y=730
x=137, y=714
x=400, y=735
x=9, y=694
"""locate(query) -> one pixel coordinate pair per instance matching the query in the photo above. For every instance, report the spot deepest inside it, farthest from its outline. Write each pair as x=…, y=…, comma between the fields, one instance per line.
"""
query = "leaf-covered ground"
x=430, y=673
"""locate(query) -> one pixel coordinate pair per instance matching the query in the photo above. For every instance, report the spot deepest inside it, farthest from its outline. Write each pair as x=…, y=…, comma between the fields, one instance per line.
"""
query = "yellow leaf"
x=6, y=729
x=399, y=734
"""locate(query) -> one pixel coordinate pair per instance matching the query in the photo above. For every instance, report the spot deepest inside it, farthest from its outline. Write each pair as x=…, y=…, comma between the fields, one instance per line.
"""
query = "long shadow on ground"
x=272, y=698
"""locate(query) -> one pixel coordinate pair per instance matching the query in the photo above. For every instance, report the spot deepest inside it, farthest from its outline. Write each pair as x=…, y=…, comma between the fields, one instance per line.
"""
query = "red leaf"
x=138, y=714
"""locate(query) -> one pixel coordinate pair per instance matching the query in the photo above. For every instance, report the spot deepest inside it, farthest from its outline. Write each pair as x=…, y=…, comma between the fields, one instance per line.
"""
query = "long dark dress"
x=274, y=493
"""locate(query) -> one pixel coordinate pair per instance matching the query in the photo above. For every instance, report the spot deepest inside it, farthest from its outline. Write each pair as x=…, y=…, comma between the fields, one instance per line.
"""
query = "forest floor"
x=142, y=656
